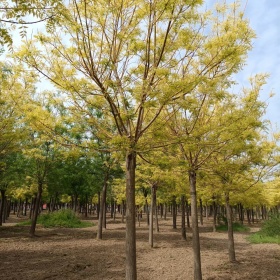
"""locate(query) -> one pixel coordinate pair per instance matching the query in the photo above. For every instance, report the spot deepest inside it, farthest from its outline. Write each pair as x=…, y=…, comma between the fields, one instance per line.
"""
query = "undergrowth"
x=62, y=218
x=269, y=232
x=237, y=227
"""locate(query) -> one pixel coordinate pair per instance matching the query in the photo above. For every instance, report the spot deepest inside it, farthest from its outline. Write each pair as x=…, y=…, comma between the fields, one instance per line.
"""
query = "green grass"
x=63, y=218
x=237, y=227
x=259, y=238
x=269, y=233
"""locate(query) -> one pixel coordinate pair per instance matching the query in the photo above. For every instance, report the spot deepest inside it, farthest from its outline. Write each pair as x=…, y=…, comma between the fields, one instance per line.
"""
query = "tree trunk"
x=3, y=197
x=19, y=208
x=25, y=208
x=183, y=203
x=241, y=218
x=165, y=211
x=231, y=250
x=104, y=214
x=31, y=208
x=123, y=210
x=86, y=206
x=98, y=206
x=201, y=211
x=114, y=213
x=147, y=213
x=156, y=212
x=151, y=226
x=248, y=216
x=102, y=207
x=214, y=216
x=195, y=230
x=188, y=214
x=130, y=239
x=174, y=212
x=36, y=210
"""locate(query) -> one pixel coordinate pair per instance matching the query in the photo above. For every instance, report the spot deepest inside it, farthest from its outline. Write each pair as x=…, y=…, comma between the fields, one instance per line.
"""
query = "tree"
x=130, y=60
x=213, y=122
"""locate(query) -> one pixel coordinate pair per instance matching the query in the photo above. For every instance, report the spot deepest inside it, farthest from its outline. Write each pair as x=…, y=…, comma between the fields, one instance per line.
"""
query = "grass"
x=259, y=238
x=269, y=233
x=237, y=227
x=63, y=218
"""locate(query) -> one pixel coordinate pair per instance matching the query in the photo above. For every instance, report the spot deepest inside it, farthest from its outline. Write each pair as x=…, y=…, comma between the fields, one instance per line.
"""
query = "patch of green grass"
x=269, y=233
x=63, y=218
x=259, y=238
x=237, y=227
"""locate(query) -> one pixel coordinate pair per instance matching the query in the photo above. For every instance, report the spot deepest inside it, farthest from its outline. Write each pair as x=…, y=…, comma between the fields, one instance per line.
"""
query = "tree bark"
x=231, y=250
x=174, y=212
x=36, y=210
x=195, y=230
x=3, y=197
x=123, y=210
x=201, y=211
x=214, y=216
x=102, y=207
x=188, y=214
x=98, y=206
x=183, y=202
x=131, y=273
x=151, y=226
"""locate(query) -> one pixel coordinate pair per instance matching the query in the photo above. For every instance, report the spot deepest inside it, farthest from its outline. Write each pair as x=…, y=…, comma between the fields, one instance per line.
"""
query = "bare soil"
x=76, y=254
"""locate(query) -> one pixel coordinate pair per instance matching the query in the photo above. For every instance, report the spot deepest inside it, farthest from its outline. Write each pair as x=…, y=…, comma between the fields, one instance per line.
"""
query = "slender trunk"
x=31, y=208
x=195, y=230
x=19, y=208
x=112, y=208
x=174, y=212
x=183, y=203
x=188, y=214
x=214, y=216
x=101, y=207
x=147, y=213
x=248, y=216
x=104, y=215
x=241, y=214
x=123, y=210
x=4, y=213
x=156, y=212
x=36, y=210
x=3, y=197
x=25, y=208
x=231, y=250
x=98, y=206
x=151, y=226
x=114, y=213
x=201, y=211
x=161, y=210
x=131, y=273
x=86, y=206
x=8, y=209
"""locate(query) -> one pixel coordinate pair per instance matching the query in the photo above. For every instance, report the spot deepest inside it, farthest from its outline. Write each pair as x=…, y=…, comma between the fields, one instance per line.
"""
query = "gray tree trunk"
x=36, y=210
x=195, y=230
x=231, y=250
x=130, y=239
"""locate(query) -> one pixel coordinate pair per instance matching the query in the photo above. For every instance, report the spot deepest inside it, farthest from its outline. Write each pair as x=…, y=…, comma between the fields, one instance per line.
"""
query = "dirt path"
x=75, y=254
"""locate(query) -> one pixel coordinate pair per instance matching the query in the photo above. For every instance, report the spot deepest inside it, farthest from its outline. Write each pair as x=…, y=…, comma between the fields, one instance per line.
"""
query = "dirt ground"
x=76, y=254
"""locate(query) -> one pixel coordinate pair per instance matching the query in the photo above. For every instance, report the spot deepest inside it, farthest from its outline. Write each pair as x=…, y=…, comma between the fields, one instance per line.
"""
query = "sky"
x=263, y=16
x=265, y=56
